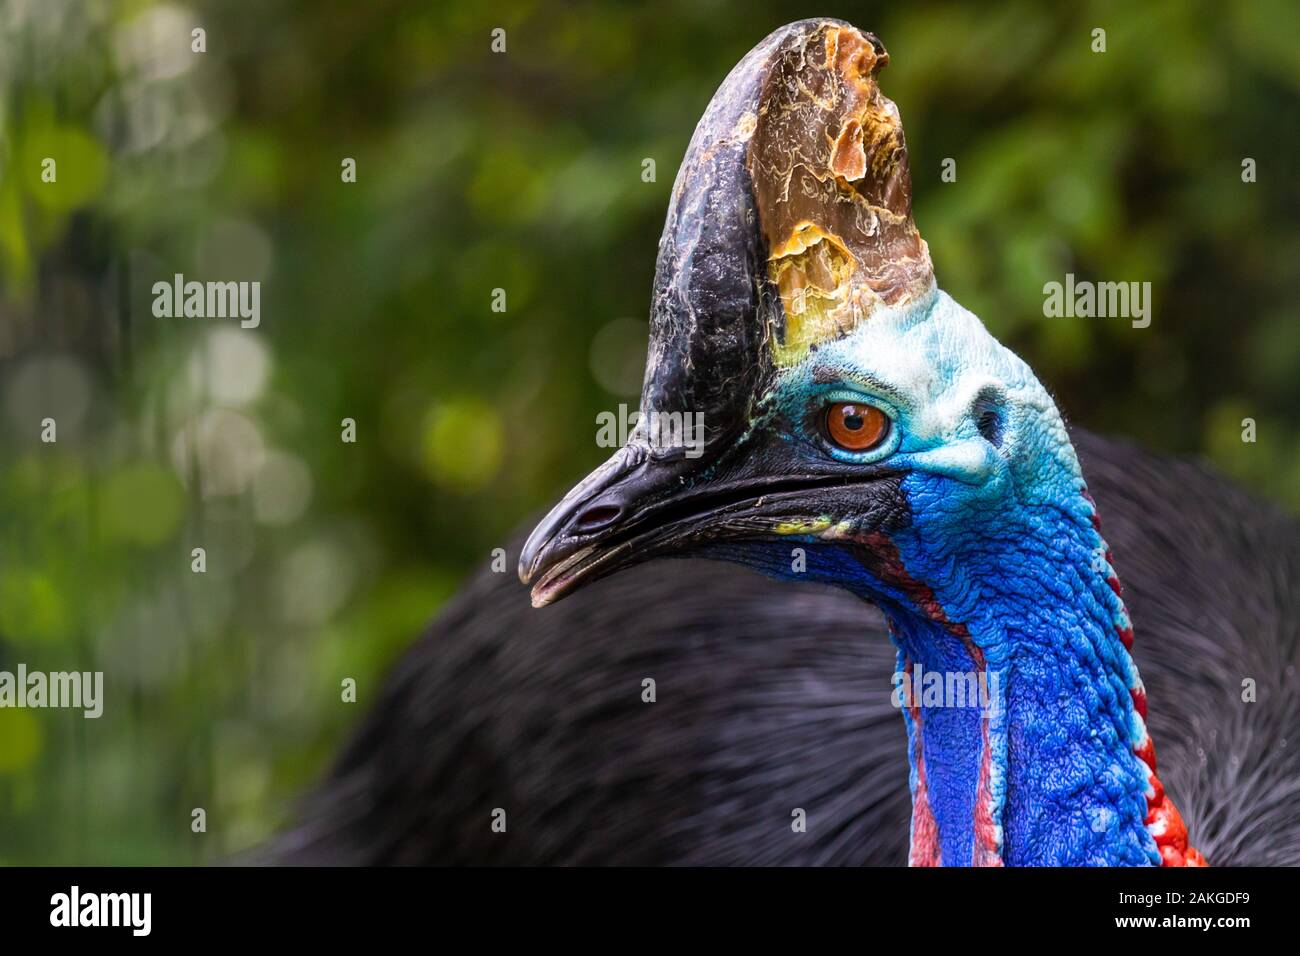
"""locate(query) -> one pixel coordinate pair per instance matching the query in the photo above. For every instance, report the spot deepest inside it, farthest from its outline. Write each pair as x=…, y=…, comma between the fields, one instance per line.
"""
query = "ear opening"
x=990, y=415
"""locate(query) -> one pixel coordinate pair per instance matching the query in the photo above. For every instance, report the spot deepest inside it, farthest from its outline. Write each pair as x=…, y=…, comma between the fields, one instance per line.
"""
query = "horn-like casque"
x=790, y=222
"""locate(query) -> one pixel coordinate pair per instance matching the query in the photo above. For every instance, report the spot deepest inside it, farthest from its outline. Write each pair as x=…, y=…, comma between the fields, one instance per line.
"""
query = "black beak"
x=643, y=504
x=603, y=524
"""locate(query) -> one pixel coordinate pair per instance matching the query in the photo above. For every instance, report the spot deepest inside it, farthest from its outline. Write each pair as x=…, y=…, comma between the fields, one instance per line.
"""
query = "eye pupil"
x=855, y=427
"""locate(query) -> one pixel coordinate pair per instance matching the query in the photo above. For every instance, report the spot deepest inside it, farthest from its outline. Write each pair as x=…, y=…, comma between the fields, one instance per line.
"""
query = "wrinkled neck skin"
x=1049, y=772
x=1052, y=765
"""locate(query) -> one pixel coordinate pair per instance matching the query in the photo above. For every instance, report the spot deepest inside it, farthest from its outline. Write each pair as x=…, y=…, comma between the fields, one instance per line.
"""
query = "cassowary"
x=870, y=444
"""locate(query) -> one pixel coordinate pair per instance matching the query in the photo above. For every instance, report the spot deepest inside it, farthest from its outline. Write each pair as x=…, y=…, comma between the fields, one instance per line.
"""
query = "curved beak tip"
x=547, y=561
x=542, y=554
x=531, y=558
x=527, y=574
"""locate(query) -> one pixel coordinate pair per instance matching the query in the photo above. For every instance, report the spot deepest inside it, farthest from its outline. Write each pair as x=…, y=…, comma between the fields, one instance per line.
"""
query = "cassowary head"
x=796, y=323
x=863, y=429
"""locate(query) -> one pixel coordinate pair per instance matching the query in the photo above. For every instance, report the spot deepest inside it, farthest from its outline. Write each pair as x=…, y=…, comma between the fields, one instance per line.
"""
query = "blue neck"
x=1043, y=772
x=1050, y=777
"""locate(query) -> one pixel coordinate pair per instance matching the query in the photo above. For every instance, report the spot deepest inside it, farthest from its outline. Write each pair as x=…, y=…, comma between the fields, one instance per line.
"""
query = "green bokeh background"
x=520, y=171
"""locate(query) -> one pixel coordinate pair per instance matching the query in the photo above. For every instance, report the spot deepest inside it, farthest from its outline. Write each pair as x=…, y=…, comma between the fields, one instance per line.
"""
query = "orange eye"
x=854, y=426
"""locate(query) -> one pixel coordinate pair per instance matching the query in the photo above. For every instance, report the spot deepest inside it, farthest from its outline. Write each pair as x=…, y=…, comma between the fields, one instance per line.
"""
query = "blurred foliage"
x=519, y=171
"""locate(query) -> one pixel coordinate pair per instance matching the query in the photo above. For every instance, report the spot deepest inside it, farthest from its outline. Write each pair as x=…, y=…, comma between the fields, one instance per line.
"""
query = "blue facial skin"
x=1002, y=536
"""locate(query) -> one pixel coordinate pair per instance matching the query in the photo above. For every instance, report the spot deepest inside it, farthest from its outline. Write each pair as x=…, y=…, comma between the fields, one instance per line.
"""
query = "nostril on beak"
x=597, y=517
